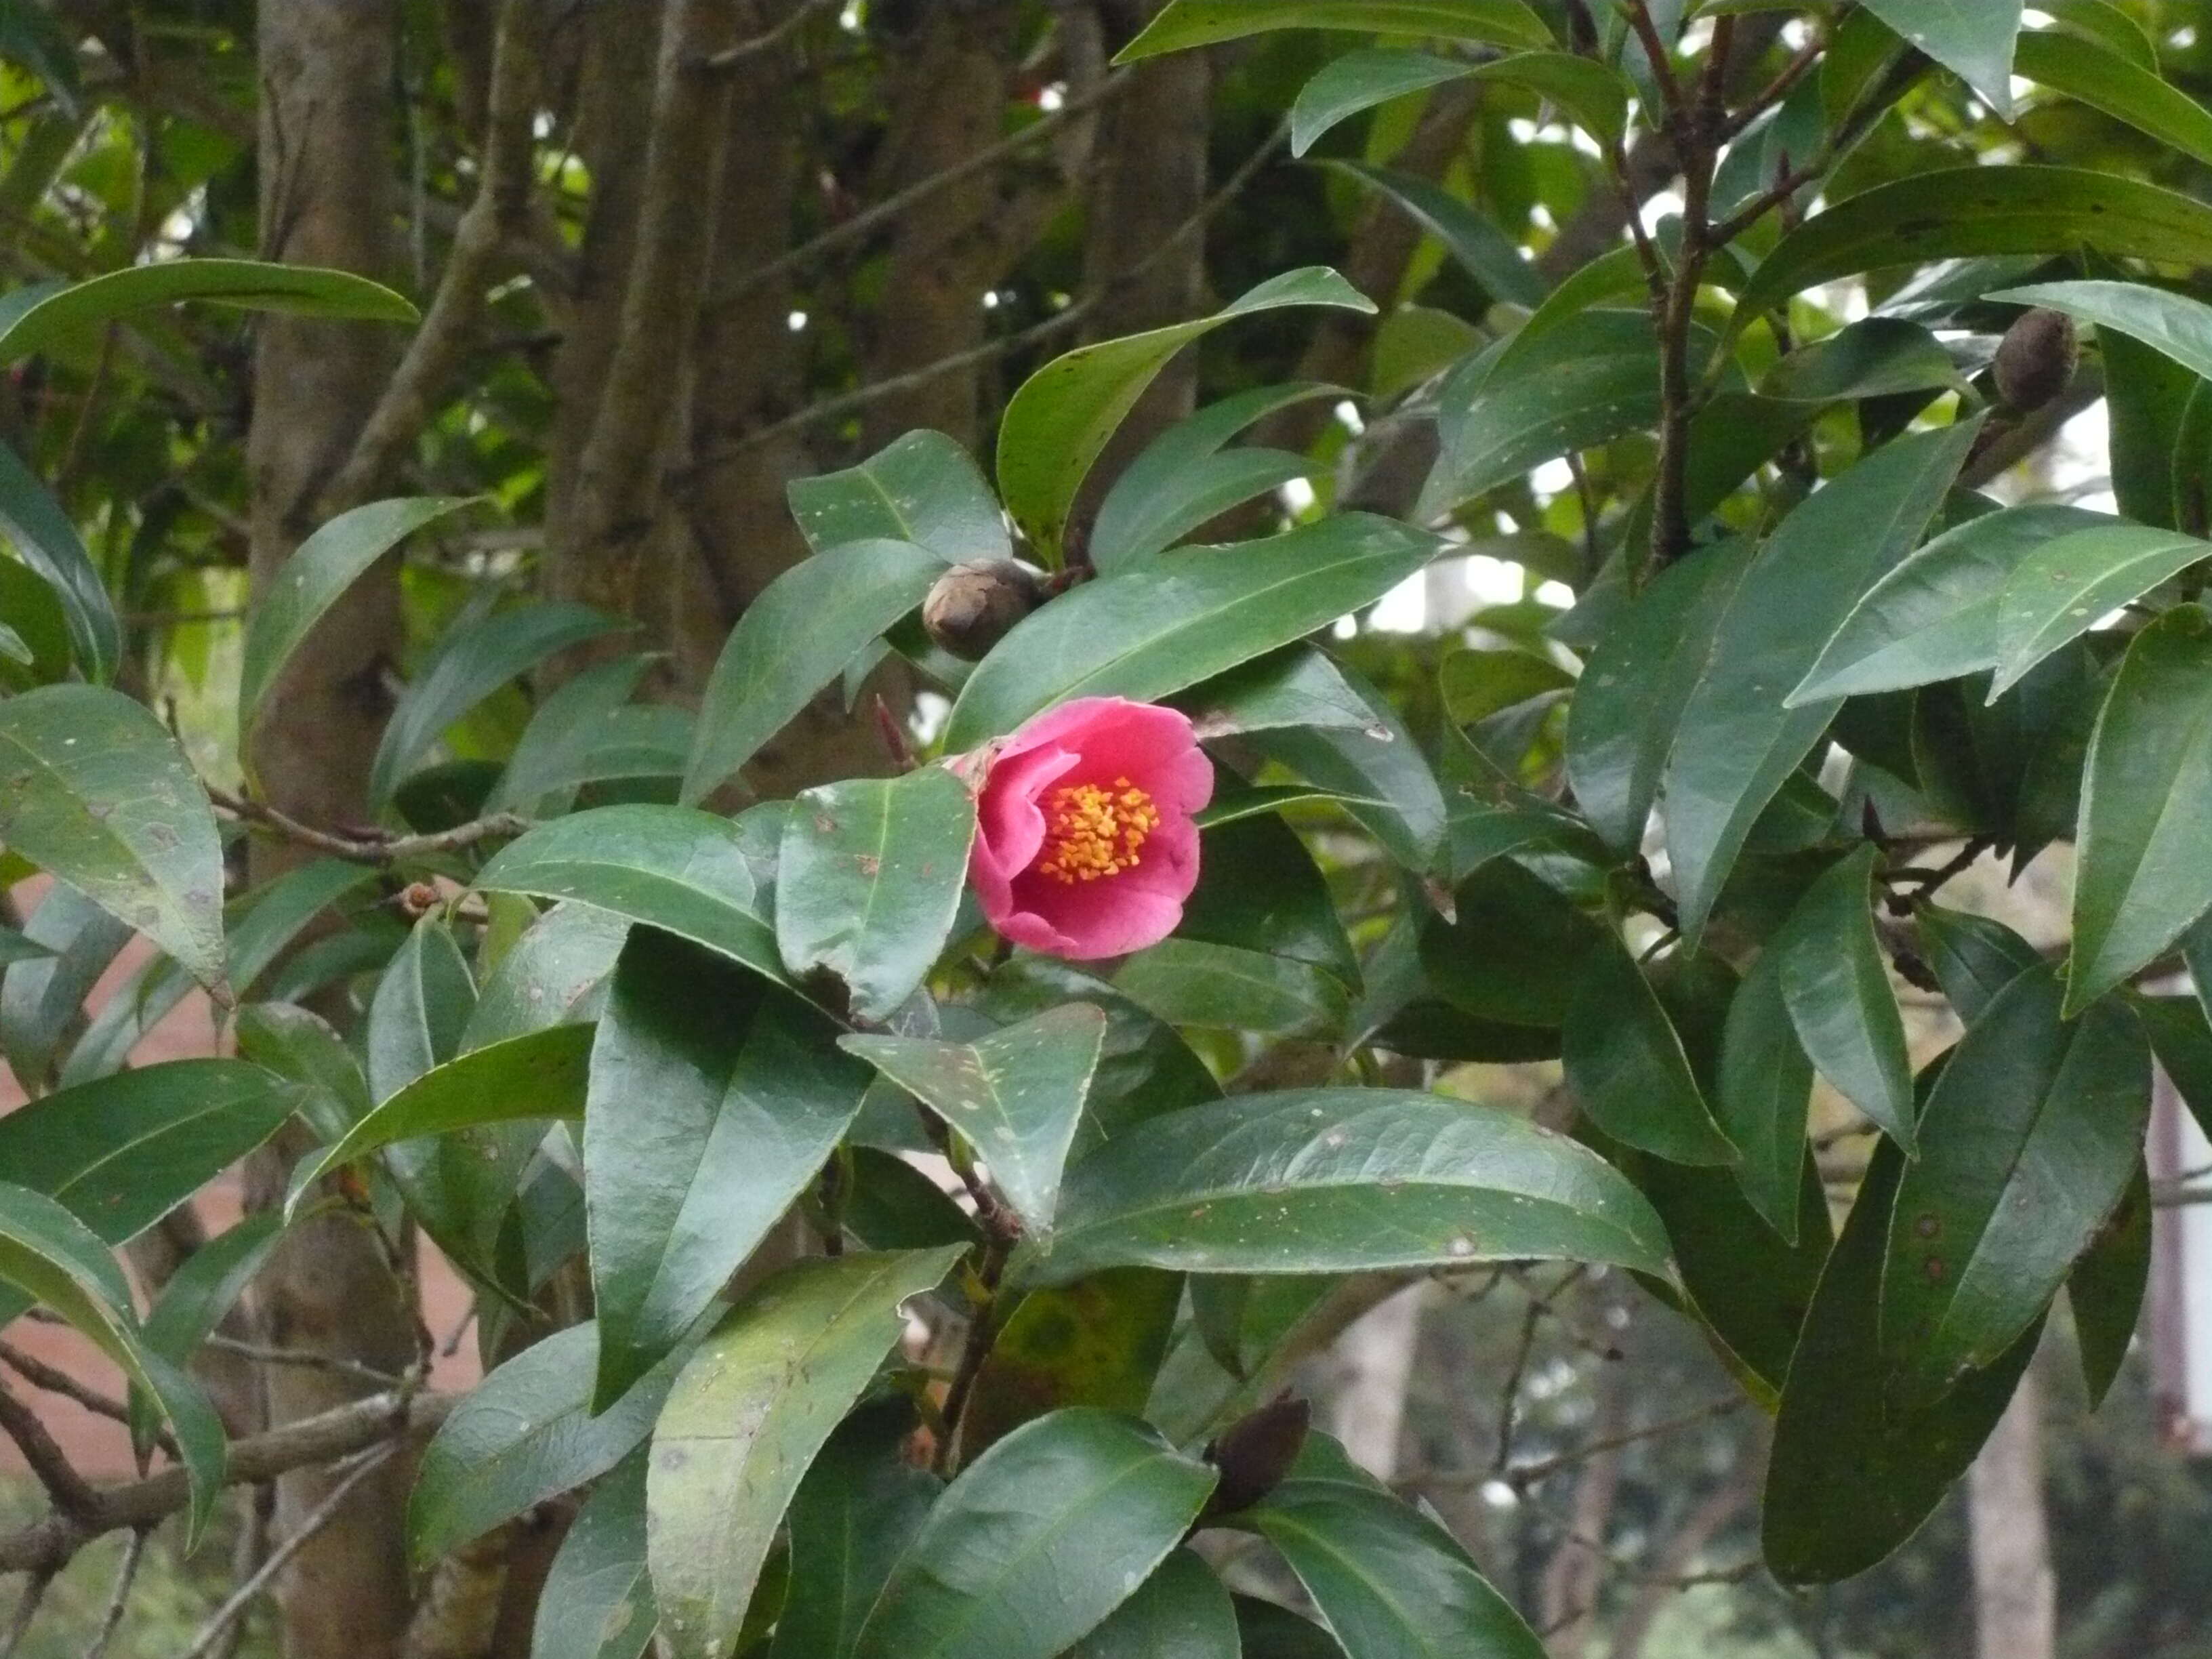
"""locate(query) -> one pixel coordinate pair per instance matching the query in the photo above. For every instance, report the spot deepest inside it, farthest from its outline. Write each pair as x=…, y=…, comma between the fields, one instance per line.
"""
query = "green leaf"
x=597, y=1601
x=2127, y=92
x=1038, y=1540
x=2107, y=1287
x=2144, y=868
x=714, y=1101
x=870, y=881
x=2029, y=1137
x=32, y=605
x=2182, y=1040
x=1361, y=80
x=686, y=873
x=248, y=284
x=853, y=1514
x=1874, y=357
x=14, y=947
x=521, y=1080
x=1180, y=1612
x=1764, y=1093
x=49, y=545
x=1837, y=988
x=2172, y=324
x=323, y=566
x=752, y=1407
x=1627, y=1068
x=2063, y=588
x=1513, y=952
x=1014, y=1095
x=922, y=489
x=1299, y=685
x=1058, y=423
x=1974, y=957
x=1270, y=1632
x=51, y=1256
x=1972, y=37
x=95, y=792
x=1225, y=987
x=586, y=730
x=1736, y=744
x=1964, y=212
x=1379, y=760
x=1185, y=23
x=1630, y=700
x=1341, y=1181
x=793, y=640
x=1934, y=616
x=1259, y=889
x=206, y=1286
x=523, y=1435
x=39, y=999
x=1098, y=1341
x=1171, y=621
x=892, y=1206
x=1484, y=251
x=1851, y=1479
x=1385, y=1578
x=2160, y=452
x=471, y=664
x=549, y=977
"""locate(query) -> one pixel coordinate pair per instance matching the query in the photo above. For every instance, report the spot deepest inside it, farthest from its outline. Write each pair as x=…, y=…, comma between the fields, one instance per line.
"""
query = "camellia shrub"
x=919, y=1191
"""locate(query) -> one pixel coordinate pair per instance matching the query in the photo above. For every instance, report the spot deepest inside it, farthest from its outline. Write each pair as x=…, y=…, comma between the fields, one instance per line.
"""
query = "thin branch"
x=983, y=1329
x=27, y=1609
x=241, y=1598
x=71, y=1495
x=1528, y=1475
x=1655, y=49
x=305, y=1359
x=120, y=1598
x=54, y=1380
x=731, y=57
x=394, y=1416
x=367, y=846
x=1509, y=1403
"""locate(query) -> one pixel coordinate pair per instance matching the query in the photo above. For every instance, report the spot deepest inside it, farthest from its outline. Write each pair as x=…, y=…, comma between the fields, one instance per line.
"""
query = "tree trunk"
x=2015, y=1597
x=1576, y=1573
x=326, y=164
x=1372, y=1363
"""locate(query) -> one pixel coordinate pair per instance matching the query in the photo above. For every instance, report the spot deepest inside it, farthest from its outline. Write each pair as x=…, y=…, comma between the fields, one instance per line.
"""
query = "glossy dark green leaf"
x=2102, y=22
x=1974, y=957
x=1226, y=988
x=2066, y=587
x=1514, y=951
x=1339, y=1181
x=1627, y=1068
x=16, y=947
x=327, y=563
x=1484, y=827
x=248, y=284
x=893, y=1205
x=32, y=609
x=2027, y=1144
x=2160, y=454
x=871, y=878
x=587, y=731
x=2144, y=870
x=1060, y=420
x=1477, y=684
x=1361, y=80
x=1973, y=41
x=2086, y=71
x=1850, y=1478
x=1272, y=1632
x=597, y=1601
x=1737, y=745
x=40, y=997
x=1836, y=986
x=923, y=488
x=1379, y=762
x=2107, y=1288
x=753, y=1408
x=795, y=639
x=35, y=525
x=1630, y=700
x=206, y=1286
x=1180, y=1612
x=1385, y=1578
x=1873, y=357
x=1014, y=1095
x=1171, y=621
x=549, y=977
x=1934, y=616
x=1965, y=212
x=470, y=665
x=1471, y=237
x=713, y=1100
x=1038, y=1540
x=1763, y=1095
x=302, y=1048
x=1097, y=1341
x=2182, y=1039
x=686, y=873
x=1259, y=889
x=853, y=1516
x=523, y=1435
x=93, y=790
x=1297, y=685
x=1185, y=24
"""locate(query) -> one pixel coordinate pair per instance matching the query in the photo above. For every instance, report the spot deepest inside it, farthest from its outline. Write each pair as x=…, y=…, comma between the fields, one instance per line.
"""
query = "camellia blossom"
x=1084, y=844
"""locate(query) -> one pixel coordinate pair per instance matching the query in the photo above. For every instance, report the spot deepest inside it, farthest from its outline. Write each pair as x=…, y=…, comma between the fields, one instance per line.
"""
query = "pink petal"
x=1010, y=828
x=1108, y=918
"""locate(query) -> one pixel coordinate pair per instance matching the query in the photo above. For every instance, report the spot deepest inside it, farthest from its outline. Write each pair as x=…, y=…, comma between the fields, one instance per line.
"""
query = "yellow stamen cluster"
x=1093, y=830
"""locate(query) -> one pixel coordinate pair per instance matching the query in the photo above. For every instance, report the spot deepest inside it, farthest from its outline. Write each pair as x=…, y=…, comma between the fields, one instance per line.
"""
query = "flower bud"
x=973, y=605
x=1256, y=1452
x=2036, y=359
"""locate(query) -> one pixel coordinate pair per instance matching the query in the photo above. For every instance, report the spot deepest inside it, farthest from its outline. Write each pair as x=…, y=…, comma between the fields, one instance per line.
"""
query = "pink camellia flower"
x=1085, y=845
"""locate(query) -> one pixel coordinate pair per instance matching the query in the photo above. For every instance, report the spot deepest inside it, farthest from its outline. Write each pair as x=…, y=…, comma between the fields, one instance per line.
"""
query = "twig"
x=731, y=57
x=1508, y=1404
x=54, y=1380
x=55, y=1473
x=241, y=1598
x=27, y=1609
x=367, y=846
x=1929, y=881
x=982, y=1328
x=306, y=1360
x=1528, y=1475
x=393, y=1416
x=1655, y=49
x=133, y=1552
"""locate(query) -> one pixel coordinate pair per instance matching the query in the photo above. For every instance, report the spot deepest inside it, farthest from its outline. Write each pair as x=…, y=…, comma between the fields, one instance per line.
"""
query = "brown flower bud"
x=973, y=605
x=1256, y=1452
x=2036, y=359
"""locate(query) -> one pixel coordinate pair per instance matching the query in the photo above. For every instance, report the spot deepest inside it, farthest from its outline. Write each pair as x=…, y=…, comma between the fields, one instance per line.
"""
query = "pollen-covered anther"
x=1093, y=830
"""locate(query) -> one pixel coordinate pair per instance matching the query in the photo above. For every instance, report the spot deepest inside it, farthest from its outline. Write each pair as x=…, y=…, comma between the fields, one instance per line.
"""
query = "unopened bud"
x=2036, y=359
x=1256, y=1452
x=973, y=606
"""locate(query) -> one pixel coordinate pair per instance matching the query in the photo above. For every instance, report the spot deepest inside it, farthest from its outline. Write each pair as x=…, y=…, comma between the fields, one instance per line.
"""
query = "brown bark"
x=326, y=117
x=2015, y=1597
x=1575, y=1572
